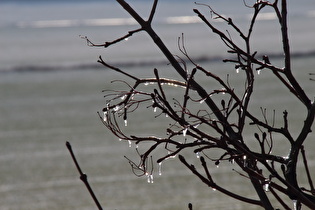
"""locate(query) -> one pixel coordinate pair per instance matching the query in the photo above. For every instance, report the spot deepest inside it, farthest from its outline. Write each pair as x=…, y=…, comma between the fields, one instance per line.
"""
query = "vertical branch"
x=287, y=56
x=285, y=38
x=83, y=176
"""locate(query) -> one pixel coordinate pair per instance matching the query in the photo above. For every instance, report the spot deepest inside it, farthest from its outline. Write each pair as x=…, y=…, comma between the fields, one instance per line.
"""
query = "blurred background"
x=51, y=89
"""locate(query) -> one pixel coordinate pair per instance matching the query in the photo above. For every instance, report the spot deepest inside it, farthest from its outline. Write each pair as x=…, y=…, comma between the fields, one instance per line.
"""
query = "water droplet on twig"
x=244, y=160
x=160, y=168
x=266, y=185
x=105, y=116
x=294, y=204
x=116, y=108
x=149, y=178
x=185, y=131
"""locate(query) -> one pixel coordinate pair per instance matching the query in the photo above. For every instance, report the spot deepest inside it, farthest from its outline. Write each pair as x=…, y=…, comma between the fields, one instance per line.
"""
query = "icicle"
x=149, y=178
x=160, y=168
x=198, y=154
x=126, y=123
x=258, y=72
x=129, y=142
x=105, y=116
x=294, y=204
x=154, y=109
x=237, y=70
x=244, y=159
x=217, y=163
x=266, y=185
x=185, y=131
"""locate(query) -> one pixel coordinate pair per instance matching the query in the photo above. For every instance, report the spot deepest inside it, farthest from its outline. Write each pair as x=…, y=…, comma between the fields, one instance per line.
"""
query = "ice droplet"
x=244, y=160
x=185, y=131
x=166, y=115
x=120, y=139
x=266, y=185
x=149, y=178
x=126, y=123
x=202, y=100
x=198, y=154
x=237, y=70
x=154, y=109
x=123, y=97
x=294, y=204
x=129, y=142
x=116, y=108
x=105, y=116
x=160, y=168
x=126, y=39
x=214, y=189
x=258, y=72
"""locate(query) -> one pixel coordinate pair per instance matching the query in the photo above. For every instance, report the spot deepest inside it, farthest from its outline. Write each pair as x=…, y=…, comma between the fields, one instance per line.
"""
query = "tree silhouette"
x=216, y=121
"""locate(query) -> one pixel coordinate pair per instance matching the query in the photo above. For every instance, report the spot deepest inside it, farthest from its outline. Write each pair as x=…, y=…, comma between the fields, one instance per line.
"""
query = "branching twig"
x=216, y=125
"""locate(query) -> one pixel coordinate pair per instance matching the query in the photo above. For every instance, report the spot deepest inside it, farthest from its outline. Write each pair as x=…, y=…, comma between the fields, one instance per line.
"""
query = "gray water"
x=49, y=96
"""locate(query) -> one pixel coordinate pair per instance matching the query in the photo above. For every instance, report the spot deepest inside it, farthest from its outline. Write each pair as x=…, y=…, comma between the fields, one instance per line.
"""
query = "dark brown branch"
x=215, y=186
x=152, y=11
x=309, y=178
x=285, y=206
x=83, y=176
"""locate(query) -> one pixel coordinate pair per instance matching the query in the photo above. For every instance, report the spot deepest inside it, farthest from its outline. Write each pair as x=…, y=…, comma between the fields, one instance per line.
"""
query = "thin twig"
x=83, y=176
x=310, y=181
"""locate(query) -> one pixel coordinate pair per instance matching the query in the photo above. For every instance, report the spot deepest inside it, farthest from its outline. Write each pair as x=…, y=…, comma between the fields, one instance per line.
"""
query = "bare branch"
x=83, y=176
